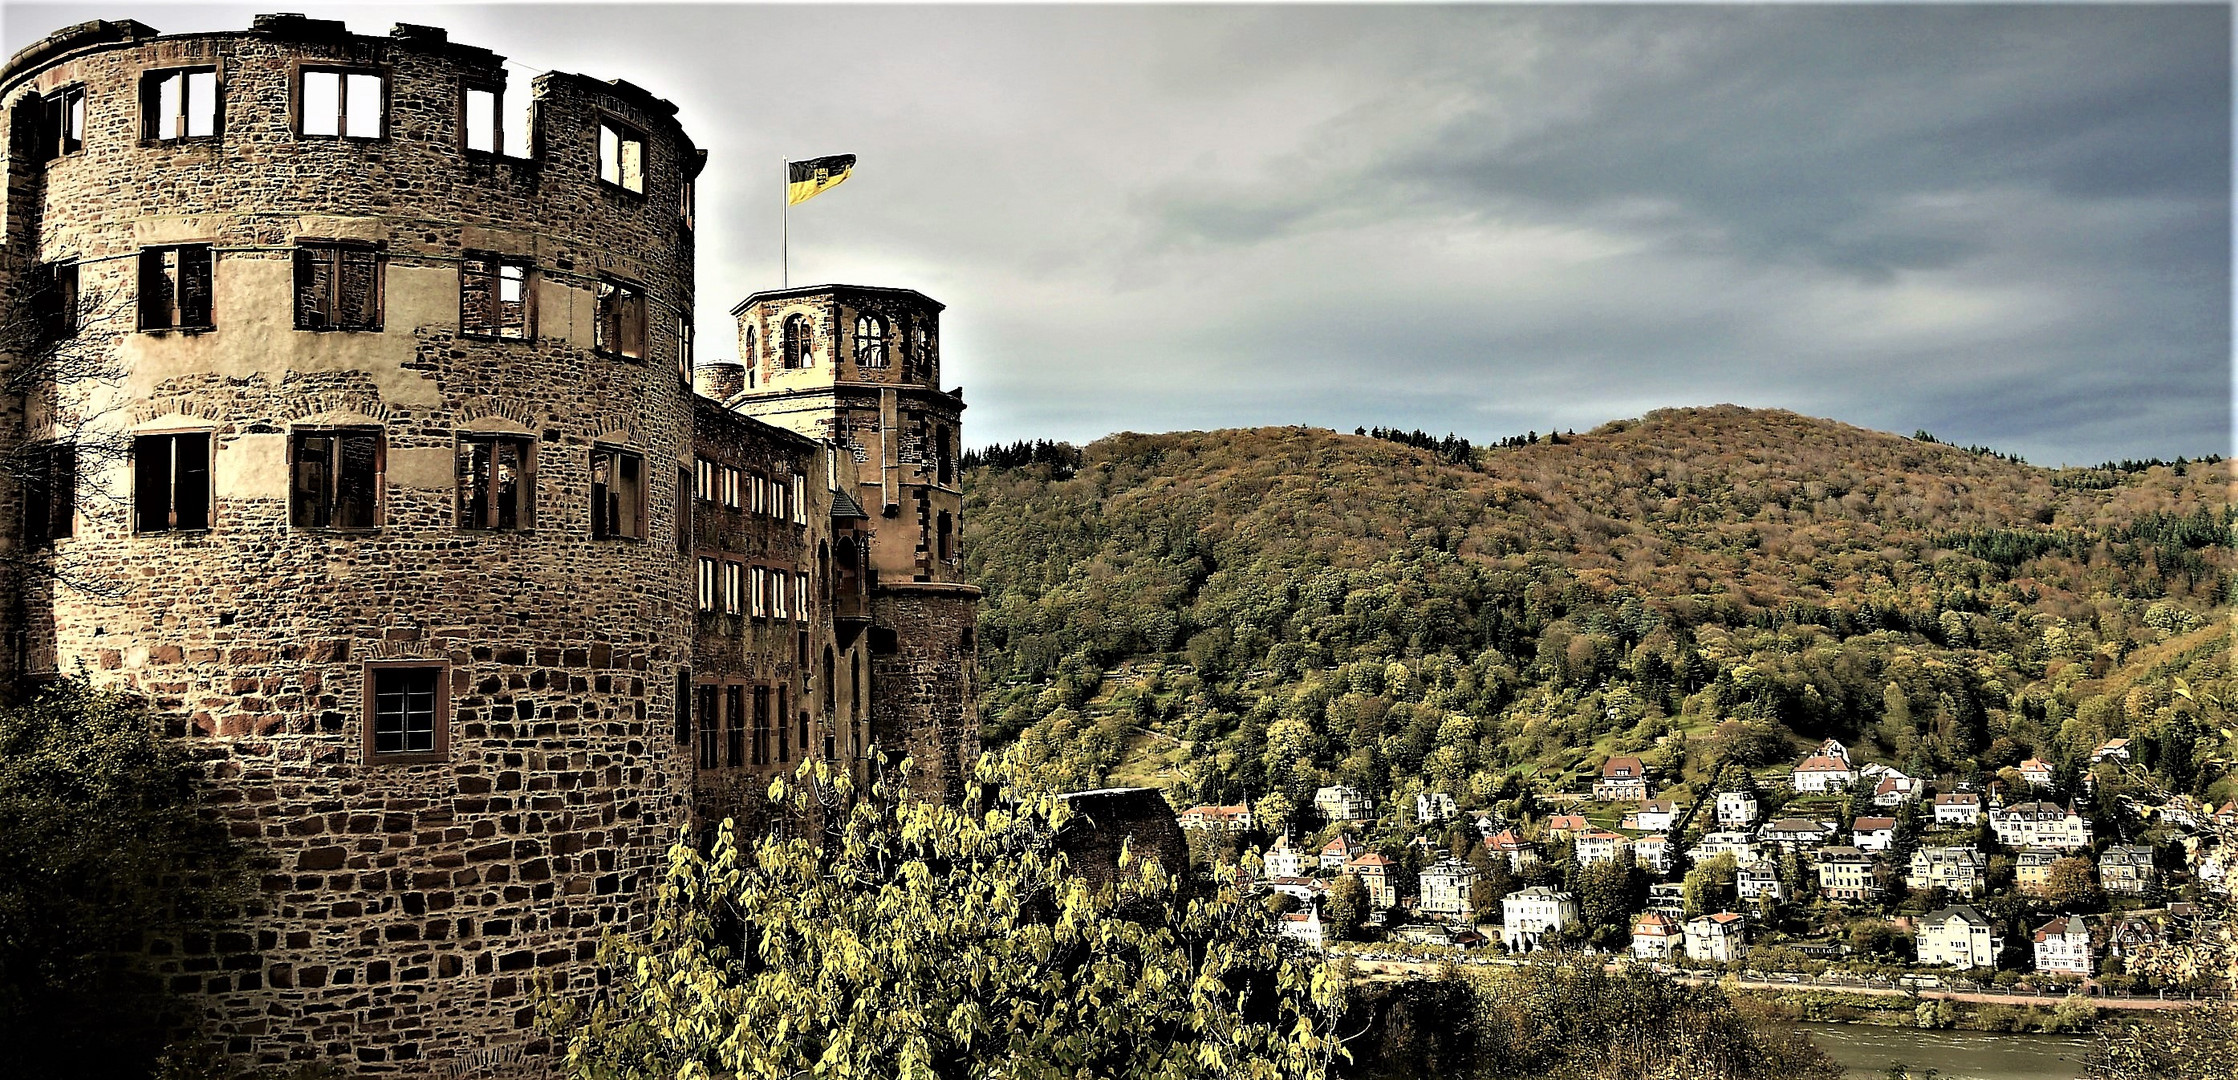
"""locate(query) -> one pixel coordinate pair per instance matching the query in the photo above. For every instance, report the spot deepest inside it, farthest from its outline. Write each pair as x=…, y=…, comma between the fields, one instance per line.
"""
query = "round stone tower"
x=356, y=444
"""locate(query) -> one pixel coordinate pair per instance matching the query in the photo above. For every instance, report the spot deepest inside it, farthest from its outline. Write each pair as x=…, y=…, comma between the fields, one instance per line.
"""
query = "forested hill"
x=1241, y=613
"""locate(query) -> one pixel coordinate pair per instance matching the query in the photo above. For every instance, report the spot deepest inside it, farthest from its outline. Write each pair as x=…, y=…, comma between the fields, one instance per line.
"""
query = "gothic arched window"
x=797, y=352
x=870, y=341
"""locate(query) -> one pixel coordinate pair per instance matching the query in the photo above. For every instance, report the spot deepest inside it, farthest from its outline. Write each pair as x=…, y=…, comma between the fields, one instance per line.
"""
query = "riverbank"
x=1865, y=1052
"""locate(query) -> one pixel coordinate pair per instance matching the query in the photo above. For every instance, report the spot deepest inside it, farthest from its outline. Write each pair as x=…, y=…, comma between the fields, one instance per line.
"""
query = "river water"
x=1865, y=1052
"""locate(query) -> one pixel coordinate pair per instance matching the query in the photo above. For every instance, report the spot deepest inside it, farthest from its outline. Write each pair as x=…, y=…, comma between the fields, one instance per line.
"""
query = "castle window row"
x=734, y=488
x=722, y=739
x=877, y=343
x=731, y=587
x=335, y=480
x=334, y=102
x=339, y=285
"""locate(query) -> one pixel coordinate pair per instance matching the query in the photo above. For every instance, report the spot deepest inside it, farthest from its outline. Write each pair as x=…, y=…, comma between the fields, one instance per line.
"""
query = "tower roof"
x=812, y=290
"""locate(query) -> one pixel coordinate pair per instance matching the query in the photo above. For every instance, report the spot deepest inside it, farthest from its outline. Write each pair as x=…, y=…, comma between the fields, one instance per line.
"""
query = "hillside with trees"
x=1251, y=614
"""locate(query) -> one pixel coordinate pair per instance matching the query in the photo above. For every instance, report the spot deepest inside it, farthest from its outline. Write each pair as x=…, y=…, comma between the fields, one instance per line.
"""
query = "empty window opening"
x=684, y=347
x=62, y=123
x=706, y=585
x=350, y=104
x=947, y=537
x=734, y=588
x=407, y=710
x=710, y=726
x=493, y=297
x=687, y=205
x=758, y=592
x=55, y=300
x=703, y=479
x=804, y=743
x=50, y=494
x=797, y=353
x=617, y=495
x=734, y=725
x=831, y=685
x=683, y=510
x=870, y=342
x=496, y=482
x=784, y=741
x=179, y=104
x=336, y=479
x=621, y=320
x=171, y=481
x=621, y=156
x=943, y=455
x=761, y=725
x=800, y=606
x=337, y=287
x=175, y=287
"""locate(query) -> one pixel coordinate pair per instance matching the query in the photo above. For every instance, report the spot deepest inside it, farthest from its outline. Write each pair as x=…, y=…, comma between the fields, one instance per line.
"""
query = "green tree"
x=926, y=942
x=106, y=850
x=1708, y=888
x=1345, y=907
x=2069, y=885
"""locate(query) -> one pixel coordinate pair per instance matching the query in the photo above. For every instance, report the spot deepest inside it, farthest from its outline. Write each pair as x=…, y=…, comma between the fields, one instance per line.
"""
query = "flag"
x=804, y=180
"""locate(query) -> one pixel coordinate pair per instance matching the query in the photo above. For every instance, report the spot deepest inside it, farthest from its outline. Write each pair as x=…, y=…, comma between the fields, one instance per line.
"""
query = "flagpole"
x=785, y=224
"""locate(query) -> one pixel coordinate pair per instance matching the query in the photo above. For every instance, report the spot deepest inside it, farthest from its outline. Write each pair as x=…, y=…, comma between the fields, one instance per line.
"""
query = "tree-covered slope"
x=1285, y=607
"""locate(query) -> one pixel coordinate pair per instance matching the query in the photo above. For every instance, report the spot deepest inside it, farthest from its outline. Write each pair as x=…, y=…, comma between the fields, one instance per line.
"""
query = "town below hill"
x=1718, y=687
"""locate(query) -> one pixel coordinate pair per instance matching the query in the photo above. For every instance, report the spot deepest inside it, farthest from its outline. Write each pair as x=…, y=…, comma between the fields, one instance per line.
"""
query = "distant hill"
x=1251, y=612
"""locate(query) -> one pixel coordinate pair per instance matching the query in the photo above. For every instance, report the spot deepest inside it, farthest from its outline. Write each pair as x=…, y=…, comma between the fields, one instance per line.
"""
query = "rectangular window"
x=734, y=725
x=734, y=588
x=761, y=725
x=703, y=479
x=335, y=479
x=706, y=584
x=617, y=495
x=620, y=329
x=710, y=731
x=485, y=130
x=777, y=580
x=800, y=595
x=688, y=205
x=407, y=711
x=175, y=287
x=179, y=104
x=171, y=482
x=758, y=592
x=62, y=123
x=683, y=511
x=55, y=300
x=621, y=156
x=784, y=744
x=496, y=482
x=349, y=104
x=50, y=494
x=684, y=347
x=493, y=297
x=799, y=500
x=338, y=287
x=733, y=480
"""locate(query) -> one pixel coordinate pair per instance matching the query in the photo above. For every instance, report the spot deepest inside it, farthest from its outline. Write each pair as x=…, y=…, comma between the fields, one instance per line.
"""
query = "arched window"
x=947, y=537
x=870, y=341
x=749, y=352
x=797, y=352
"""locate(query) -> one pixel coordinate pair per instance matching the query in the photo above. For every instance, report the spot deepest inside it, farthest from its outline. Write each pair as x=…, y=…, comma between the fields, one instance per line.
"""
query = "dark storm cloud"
x=2006, y=224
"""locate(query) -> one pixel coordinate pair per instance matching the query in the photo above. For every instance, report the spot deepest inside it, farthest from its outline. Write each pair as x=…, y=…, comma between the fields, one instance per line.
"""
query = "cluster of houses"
x=1853, y=865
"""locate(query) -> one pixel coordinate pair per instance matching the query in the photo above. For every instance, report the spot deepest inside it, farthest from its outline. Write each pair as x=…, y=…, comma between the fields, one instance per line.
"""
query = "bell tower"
x=859, y=368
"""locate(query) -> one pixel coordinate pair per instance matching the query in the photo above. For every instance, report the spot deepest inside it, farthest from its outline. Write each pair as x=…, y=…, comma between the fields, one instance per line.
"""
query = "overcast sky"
x=2005, y=224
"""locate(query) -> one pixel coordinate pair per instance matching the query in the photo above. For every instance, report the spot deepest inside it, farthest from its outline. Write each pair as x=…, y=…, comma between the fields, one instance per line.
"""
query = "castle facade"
x=358, y=429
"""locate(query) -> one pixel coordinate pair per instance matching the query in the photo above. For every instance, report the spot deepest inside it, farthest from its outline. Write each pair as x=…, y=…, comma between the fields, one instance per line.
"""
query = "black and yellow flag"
x=804, y=180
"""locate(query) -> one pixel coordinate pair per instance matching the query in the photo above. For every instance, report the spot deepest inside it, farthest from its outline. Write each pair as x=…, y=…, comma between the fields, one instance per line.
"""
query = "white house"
x=1302, y=926
x=1822, y=773
x=2063, y=946
x=1958, y=808
x=1957, y=935
x=2127, y=869
x=1797, y=834
x=1377, y=875
x=1655, y=937
x=1735, y=809
x=1339, y=802
x=2040, y=824
x=1533, y=918
x=1759, y=879
x=1516, y=849
x=1445, y=888
x=1283, y=860
x=1434, y=806
x=1895, y=789
x=1845, y=873
x=2111, y=750
x=1721, y=937
x=1737, y=844
x=1340, y=851
x=1957, y=870
x=1235, y=818
x=1873, y=833
x=1654, y=815
x=1307, y=890
x=1623, y=778
x=1600, y=845
x=2037, y=773
x=1667, y=898
x=1653, y=853
x=1833, y=748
